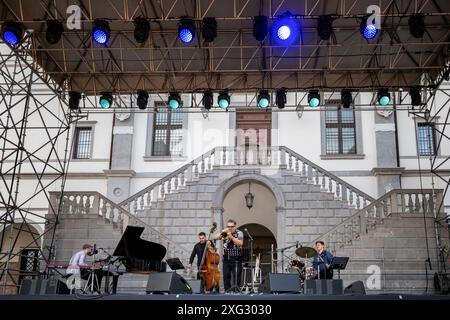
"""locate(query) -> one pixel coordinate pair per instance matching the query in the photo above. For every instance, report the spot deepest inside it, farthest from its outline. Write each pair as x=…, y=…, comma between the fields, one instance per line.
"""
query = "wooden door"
x=253, y=136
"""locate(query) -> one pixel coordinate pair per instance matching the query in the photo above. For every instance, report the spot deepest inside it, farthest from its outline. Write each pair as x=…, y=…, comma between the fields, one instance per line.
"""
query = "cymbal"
x=306, y=252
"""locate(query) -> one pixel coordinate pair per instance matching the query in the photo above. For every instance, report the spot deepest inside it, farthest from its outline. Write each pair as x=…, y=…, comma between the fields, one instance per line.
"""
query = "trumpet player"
x=233, y=240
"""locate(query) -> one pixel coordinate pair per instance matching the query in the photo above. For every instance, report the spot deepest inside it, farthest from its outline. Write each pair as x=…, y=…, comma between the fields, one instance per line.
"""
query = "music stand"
x=175, y=264
x=339, y=263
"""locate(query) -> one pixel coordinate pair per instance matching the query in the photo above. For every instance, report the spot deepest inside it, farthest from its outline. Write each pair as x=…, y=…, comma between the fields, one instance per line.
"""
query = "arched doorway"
x=263, y=240
x=268, y=208
x=23, y=241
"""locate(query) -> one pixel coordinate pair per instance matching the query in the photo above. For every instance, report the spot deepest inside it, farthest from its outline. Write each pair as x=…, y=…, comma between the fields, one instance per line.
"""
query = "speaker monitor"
x=324, y=286
x=356, y=287
x=281, y=282
x=43, y=287
x=55, y=286
x=195, y=285
x=30, y=287
x=167, y=282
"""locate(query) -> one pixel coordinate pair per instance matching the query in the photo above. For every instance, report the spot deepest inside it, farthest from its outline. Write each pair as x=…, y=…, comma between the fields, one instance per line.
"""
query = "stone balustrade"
x=85, y=202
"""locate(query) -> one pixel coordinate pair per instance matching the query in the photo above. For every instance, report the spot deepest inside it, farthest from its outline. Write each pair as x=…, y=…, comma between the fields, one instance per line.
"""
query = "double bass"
x=209, y=266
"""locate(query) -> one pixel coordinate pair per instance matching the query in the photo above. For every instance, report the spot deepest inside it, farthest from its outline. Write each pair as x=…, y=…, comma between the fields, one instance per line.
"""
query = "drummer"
x=322, y=261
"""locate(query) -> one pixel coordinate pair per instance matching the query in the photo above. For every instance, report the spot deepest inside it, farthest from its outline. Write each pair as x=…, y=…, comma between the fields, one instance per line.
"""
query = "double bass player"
x=207, y=262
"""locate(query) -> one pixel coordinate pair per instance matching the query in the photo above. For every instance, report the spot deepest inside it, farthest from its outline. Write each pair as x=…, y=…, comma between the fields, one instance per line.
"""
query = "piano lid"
x=131, y=245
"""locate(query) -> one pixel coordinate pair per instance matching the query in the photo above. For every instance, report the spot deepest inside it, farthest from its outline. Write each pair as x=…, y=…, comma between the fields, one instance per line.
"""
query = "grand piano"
x=138, y=255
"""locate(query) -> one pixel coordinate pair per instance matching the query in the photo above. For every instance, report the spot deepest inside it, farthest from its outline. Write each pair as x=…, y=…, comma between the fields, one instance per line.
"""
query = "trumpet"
x=223, y=235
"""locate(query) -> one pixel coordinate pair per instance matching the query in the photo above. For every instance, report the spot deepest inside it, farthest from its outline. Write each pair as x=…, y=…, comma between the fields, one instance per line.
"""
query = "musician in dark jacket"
x=198, y=250
x=322, y=261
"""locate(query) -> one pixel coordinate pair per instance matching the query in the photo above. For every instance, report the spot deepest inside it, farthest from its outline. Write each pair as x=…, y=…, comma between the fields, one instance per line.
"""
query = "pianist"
x=77, y=266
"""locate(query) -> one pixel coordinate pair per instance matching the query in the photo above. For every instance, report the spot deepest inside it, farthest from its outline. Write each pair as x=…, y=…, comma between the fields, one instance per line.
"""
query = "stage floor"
x=230, y=297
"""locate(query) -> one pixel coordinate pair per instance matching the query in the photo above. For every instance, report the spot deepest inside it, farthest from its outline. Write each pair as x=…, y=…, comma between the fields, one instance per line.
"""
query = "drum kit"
x=304, y=268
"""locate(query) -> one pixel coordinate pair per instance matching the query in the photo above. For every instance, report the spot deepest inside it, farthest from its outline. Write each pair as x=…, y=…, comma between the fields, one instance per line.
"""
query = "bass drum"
x=310, y=273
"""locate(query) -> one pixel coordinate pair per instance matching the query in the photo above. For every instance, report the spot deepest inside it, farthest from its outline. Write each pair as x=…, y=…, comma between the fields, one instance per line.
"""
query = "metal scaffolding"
x=235, y=60
x=40, y=149
x=436, y=116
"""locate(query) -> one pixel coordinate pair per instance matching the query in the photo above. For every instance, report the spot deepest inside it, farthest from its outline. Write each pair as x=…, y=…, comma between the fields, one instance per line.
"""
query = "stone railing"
x=398, y=201
x=328, y=181
x=85, y=202
x=276, y=157
x=170, y=183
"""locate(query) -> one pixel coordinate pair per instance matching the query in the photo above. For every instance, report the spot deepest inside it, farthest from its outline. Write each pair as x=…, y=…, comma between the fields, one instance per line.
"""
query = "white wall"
x=303, y=135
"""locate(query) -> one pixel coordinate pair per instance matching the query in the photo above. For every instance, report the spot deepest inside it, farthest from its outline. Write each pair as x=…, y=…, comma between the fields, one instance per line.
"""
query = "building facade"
x=310, y=170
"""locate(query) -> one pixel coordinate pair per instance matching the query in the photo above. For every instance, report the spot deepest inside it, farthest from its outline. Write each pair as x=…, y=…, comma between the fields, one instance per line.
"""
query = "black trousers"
x=229, y=268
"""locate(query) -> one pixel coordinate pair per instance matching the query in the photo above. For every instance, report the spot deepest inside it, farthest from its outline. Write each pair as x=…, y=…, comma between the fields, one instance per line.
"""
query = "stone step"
x=380, y=253
x=389, y=242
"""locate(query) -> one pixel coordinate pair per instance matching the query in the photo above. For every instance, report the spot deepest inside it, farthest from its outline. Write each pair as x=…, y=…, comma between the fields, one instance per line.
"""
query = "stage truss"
x=34, y=137
x=235, y=60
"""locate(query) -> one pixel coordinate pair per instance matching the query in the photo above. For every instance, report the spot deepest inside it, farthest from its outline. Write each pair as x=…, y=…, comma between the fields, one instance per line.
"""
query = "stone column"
x=281, y=235
x=120, y=174
x=387, y=172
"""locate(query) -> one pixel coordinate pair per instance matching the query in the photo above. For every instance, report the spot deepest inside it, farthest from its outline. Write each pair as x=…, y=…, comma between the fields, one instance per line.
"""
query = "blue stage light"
x=186, y=35
x=284, y=32
x=186, y=30
x=285, y=29
x=12, y=32
x=101, y=32
x=368, y=30
x=10, y=38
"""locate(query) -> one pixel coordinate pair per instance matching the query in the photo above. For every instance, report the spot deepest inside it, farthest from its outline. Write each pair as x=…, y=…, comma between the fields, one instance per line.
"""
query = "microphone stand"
x=282, y=254
x=107, y=271
x=251, y=254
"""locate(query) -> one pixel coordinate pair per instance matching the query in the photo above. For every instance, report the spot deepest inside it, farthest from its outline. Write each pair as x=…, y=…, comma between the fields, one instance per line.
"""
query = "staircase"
x=175, y=208
x=180, y=204
x=269, y=158
x=90, y=217
x=389, y=241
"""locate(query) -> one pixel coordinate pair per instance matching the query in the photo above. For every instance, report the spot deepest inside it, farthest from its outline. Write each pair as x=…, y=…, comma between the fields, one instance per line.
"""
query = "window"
x=83, y=143
x=426, y=139
x=167, y=133
x=340, y=133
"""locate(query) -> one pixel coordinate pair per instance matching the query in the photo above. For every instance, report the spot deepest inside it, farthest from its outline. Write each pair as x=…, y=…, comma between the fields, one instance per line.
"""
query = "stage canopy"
x=235, y=59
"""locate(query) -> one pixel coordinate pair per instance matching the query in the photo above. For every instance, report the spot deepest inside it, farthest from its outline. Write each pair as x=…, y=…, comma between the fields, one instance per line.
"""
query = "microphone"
x=296, y=244
x=248, y=233
x=95, y=249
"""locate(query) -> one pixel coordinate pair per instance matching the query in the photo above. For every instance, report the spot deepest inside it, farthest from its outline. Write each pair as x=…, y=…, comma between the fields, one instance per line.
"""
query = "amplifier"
x=43, y=287
x=324, y=286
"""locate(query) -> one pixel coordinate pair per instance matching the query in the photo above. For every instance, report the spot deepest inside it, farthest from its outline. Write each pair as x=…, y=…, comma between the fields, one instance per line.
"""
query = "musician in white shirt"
x=78, y=266
x=78, y=260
